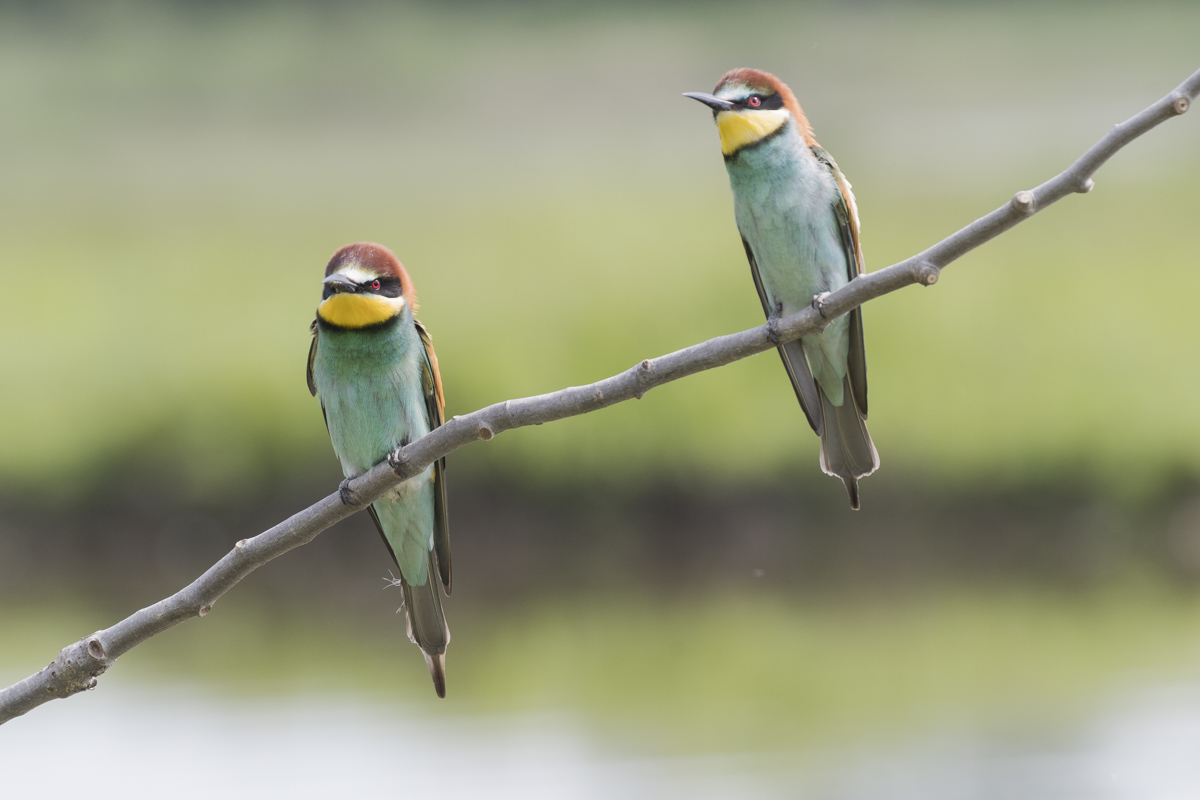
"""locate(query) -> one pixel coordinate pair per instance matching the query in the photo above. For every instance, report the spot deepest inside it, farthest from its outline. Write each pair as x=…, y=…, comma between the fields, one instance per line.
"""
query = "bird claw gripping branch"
x=349, y=496
x=818, y=302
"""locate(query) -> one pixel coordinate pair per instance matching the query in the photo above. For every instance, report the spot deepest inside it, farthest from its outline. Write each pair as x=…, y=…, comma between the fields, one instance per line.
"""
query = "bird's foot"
x=773, y=323
x=397, y=461
x=348, y=495
x=818, y=302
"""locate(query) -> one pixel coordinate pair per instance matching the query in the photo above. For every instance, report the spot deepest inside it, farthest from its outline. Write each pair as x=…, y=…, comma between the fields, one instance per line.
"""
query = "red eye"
x=754, y=102
x=375, y=285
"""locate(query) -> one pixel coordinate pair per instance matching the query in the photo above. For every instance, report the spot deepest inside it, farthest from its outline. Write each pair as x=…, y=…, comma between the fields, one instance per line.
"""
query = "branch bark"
x=78, y=665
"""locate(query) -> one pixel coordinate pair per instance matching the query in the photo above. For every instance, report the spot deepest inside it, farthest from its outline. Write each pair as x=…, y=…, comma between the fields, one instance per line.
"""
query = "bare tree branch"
x=78, y=665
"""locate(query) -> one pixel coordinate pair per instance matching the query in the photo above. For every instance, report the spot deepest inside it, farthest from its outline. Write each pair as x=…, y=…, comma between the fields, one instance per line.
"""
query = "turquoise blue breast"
x=369, y=383
x=784, y=202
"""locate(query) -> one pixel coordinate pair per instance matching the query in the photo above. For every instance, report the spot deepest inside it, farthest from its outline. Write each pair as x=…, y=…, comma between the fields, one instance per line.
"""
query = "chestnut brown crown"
x=378, y=260
x=760, y=82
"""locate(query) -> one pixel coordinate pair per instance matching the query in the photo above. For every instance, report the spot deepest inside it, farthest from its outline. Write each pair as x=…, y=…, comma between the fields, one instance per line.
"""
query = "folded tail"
x=427, y=624
x=847, y=451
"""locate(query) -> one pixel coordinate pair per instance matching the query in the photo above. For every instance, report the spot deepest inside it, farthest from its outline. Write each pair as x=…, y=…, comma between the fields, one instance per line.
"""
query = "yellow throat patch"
x=741, y=128
x=347, y=310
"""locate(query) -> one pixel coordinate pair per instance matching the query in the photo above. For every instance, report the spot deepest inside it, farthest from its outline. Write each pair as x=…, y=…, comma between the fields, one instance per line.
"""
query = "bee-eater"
x=799, y=226
x=373, y=368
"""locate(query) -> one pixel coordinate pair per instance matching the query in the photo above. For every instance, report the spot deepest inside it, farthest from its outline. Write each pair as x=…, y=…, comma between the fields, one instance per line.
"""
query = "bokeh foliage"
x=175, y=177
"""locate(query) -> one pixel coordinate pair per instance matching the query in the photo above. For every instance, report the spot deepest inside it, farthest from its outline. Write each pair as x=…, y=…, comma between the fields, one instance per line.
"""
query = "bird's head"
x=365, y=285
x=750, y=106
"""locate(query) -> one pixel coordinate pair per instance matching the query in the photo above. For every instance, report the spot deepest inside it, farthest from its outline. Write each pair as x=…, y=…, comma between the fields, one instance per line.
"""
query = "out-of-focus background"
x=666, y=597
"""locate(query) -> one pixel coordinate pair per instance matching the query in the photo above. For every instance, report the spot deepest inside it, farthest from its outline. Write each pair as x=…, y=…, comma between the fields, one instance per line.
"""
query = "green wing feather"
x=312, y=385
x=847, y=216
x=435, y=406
x=312, y=355
x=793, y=357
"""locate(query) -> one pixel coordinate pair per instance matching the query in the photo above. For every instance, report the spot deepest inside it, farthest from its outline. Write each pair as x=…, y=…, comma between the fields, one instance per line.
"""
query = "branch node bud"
x=928, y=275
x=204, y=610
x=240, y=544
x=95, y=649
x=599, y=395
x=485, y=432
x=1086, y=186
x=1022, y=202
x=644, y=370
x=1181, y=105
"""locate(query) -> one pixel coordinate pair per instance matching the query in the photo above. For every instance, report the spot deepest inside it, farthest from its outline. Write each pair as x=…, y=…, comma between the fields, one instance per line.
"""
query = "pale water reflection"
x=135, y=743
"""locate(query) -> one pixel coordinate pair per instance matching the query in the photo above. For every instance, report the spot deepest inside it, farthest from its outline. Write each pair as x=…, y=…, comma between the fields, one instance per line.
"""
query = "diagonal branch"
x=79, y=665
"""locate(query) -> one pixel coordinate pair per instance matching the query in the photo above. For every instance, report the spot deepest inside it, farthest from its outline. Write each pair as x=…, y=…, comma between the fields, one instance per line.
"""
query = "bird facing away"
x=373, y=368
x=799, y=226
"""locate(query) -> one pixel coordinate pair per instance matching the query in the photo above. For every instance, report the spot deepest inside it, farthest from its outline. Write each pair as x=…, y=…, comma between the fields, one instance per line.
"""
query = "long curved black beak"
x=715, y=103
x=338, y=282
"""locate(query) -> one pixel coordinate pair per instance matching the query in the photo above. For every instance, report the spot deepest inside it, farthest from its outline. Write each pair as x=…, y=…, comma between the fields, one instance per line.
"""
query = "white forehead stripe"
x=357, y=274
x=735, y=92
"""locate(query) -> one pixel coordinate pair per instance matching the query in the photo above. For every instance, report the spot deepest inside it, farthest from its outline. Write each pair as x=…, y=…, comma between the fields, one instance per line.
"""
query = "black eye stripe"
x=768, y=102
x=389, y=287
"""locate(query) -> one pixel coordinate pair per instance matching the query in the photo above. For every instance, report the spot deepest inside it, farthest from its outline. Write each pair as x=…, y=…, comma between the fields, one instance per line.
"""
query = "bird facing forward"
x=372, y=366
x=799, y=226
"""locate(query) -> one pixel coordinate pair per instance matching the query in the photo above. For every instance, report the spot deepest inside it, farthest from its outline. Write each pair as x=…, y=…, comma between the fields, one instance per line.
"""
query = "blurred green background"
x=173, y=177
